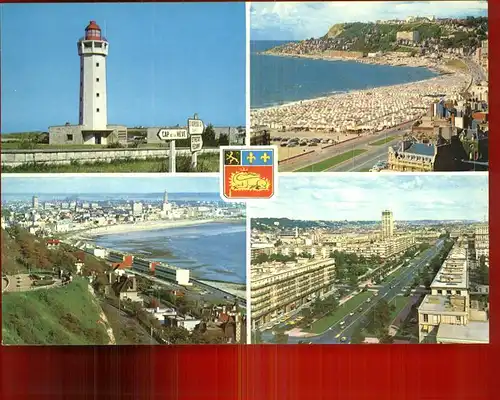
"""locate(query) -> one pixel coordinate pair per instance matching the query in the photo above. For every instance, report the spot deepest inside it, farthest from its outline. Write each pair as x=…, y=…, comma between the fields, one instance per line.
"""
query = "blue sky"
x=301, y=20
x=357, y=197
x=165, y=62
x=108, y=185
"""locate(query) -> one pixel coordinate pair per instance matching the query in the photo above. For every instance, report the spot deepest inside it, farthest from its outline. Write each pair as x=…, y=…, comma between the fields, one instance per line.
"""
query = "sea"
x=280, y=80
x=214, y=251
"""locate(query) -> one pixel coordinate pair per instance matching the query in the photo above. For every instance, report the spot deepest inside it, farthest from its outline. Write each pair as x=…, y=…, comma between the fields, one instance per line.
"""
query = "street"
x=363, y=161
x=366, y=160
x=387, y=290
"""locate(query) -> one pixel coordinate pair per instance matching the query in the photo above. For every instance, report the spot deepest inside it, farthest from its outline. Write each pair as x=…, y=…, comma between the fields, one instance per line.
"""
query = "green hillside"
x=65, y=315
x=381, y=36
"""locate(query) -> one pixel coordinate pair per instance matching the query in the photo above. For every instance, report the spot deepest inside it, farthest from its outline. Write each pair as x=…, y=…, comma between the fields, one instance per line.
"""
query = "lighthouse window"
x=97, y=79
x=97, y=94
x=96, y=64
x=97, y=110
x=69, y=137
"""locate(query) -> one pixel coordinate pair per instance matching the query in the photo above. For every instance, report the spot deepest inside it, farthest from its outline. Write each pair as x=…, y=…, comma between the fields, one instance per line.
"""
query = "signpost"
x=172, y=135
x=195, y=130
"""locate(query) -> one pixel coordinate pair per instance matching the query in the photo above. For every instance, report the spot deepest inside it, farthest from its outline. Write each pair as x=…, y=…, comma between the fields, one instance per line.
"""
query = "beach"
x=213, y=249
x=372, y=109
x=145, y=226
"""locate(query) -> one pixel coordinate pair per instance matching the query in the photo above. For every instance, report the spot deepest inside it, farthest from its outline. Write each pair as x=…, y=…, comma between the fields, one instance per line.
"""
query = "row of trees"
x=319, y=309
x=31, y=253
x=379, y=319
x=349, y=267
x=262, y=258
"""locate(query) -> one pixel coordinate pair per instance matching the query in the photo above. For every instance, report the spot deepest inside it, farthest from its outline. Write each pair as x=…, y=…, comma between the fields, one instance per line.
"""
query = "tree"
x=208, y=136
x=154, y=303
x=385, y=338
x=380, y=318
x=223, y=140
x=358, y=336
x=176, y=335
x=281, y=338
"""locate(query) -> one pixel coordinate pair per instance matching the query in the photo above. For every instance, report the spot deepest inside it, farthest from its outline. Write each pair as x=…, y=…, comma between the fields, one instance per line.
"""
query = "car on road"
x=351, y=314
x=343, y=339
x=337, y=336
x=369, y=300
x=360, y=309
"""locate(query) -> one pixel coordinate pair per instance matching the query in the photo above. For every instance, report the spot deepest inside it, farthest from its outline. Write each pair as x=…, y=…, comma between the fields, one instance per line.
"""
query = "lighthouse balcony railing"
x=102, y=39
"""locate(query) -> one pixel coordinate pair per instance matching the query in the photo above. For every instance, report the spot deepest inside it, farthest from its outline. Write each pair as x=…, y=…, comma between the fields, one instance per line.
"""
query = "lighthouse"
x=93, y=50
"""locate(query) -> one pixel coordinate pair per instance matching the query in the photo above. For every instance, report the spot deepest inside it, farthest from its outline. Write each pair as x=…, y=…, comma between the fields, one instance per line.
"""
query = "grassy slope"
x=206, y=163
x=66, y=315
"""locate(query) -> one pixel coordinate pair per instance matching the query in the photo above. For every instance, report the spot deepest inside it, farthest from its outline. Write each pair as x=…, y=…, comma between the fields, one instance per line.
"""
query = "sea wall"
x=14, y=158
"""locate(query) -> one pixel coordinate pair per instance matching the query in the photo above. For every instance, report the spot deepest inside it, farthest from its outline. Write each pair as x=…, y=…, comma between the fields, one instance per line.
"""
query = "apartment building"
x=261, y=248
x=482, y=242
x=446, y=315
x=278, y=288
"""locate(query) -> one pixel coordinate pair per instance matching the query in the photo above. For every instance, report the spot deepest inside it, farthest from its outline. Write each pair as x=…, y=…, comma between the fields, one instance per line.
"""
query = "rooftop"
x=445, y=304
x=473, y=332
x=262, y=245
x=421, y=149
x=279, y=269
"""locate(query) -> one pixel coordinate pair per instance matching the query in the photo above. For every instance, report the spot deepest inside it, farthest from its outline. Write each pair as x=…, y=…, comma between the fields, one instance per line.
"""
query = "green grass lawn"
x=18, y=146
x=364, y=170
x=206, y=163
x=65, y=315
x=400, y=302
x=331, y=162
x=383, y=141
x=324, y=323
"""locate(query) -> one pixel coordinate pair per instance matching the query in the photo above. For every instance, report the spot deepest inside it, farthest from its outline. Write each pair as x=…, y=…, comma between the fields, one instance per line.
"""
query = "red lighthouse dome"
x=93, y=31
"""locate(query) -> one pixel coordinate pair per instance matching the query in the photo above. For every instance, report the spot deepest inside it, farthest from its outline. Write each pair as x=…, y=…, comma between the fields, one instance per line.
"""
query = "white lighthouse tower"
x=93, y=49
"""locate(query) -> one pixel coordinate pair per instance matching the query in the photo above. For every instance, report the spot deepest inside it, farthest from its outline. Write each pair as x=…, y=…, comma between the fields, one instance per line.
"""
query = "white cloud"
x=361, y=197
x=289, y=21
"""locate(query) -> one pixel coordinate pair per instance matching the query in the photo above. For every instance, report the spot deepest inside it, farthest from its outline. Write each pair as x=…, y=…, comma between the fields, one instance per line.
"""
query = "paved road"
x=23, y=283
x=366, y=160
x=359, y=143
x=388, y=291
x=475, y=70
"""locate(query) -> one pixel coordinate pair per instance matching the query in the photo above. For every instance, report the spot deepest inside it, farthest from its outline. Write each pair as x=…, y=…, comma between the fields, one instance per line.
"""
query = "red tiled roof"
x=92, y=25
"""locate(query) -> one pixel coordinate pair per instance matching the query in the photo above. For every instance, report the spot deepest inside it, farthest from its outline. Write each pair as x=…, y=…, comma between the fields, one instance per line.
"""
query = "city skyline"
x=298, y=21
x=177, y=67
x=108, y=185
x=363, y=197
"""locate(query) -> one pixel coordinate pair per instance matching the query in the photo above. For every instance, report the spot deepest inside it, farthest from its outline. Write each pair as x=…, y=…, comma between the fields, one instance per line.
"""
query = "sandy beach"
x=371, y=109
x=145, y=226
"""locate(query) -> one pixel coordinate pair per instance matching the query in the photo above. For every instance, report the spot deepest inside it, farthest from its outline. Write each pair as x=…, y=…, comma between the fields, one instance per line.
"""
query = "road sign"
x=196, y=143
x=195, y=126
x=172, y=134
